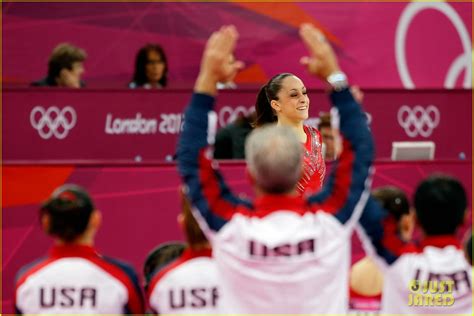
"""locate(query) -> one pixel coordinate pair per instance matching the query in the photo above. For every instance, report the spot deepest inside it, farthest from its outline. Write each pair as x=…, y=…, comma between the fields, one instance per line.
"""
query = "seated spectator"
x=328, y=136
x=366, y=279
x=151, y=68
x=189, y=284
x=65, y=67
x=74, y=278
x=285, y=253
x=230, y=140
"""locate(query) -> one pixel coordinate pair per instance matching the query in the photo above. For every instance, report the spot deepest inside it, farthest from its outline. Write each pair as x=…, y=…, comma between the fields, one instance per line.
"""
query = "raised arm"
x=346, y=190
x=207, y=190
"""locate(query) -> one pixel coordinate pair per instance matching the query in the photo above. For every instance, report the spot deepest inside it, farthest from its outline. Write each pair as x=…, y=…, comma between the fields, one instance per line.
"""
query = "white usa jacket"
x=189, y=285
x=75, y=279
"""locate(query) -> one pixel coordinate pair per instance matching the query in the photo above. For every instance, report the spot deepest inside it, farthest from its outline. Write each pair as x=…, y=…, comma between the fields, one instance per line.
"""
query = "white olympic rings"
x=419, y=121
x=53, y=121
x=462, y=62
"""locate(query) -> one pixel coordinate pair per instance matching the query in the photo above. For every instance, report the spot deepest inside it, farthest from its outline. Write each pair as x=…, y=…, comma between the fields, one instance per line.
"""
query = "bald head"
x=274, y=157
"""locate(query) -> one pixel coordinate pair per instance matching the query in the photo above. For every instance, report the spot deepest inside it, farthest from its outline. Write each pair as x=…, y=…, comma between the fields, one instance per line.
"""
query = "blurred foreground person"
x=435, y=278
x=366, y=279
x=283, y=253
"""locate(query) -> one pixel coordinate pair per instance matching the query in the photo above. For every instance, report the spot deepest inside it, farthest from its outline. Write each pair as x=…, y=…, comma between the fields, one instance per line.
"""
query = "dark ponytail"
x=69, y=209
x=263, y=109
x=267, y=93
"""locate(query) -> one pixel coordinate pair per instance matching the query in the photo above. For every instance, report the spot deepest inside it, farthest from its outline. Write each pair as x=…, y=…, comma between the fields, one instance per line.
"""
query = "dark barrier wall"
x=139, y=205
x=130, y=125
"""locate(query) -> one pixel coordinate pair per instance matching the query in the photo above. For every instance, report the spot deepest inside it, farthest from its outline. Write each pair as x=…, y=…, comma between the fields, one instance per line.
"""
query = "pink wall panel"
x=370, y=38
x=140, y=206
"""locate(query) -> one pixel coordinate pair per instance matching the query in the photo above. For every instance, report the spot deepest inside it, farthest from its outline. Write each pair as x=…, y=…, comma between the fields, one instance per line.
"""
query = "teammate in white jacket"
x=74, y=278
x=190, y=283
x=435, y=277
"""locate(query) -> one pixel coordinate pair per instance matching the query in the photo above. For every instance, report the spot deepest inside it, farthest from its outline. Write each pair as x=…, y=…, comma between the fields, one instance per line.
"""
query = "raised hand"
x=215, y=65
x=322, y=61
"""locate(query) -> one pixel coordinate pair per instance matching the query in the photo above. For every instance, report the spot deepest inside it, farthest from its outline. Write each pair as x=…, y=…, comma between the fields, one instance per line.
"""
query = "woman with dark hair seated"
x=74, y=278
x=151, y=68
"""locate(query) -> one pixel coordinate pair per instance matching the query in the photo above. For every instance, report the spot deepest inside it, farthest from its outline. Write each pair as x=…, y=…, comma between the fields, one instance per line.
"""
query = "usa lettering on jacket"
x=257, y=249
x=67, y=297
x=193, y=297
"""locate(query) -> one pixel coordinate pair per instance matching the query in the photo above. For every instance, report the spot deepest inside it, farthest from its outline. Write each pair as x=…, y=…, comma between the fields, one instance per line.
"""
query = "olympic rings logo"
x=418, y=121
x=53, y=121
x=462, y=62
x=229, y=114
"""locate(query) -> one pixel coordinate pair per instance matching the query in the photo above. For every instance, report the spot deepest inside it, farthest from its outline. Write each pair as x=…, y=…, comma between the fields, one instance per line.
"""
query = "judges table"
x=140, y=125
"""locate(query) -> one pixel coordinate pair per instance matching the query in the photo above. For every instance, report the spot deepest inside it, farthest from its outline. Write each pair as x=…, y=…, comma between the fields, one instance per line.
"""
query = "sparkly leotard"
x=314, y=167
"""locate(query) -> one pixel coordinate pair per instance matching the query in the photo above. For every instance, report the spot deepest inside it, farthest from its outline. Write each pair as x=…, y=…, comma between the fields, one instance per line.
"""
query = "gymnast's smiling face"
x=293, y=101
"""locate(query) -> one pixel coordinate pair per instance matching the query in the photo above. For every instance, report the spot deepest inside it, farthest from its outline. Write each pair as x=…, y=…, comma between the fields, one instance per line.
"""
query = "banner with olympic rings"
x=143, y=126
